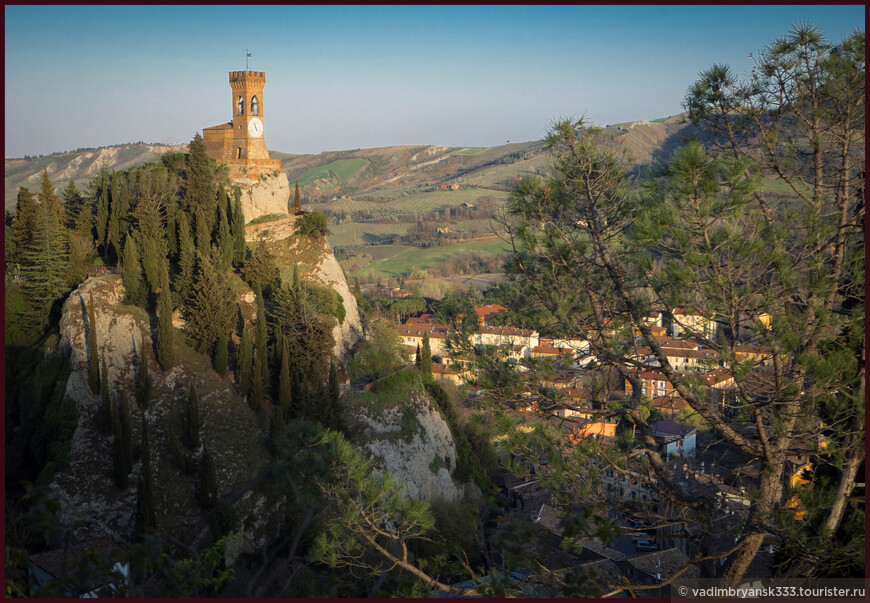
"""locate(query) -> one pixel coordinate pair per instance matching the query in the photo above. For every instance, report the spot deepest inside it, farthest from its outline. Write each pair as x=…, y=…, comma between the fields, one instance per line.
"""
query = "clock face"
x=255, y=127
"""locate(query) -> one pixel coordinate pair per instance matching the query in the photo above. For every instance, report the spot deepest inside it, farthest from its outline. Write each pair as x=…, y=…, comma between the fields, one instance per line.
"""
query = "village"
x=653, y=543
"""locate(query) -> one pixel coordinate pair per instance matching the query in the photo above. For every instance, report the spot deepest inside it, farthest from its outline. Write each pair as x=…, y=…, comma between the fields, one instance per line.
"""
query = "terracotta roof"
x=716, y=376
x=666, y=562
x=669, y=429
x=670, y=403
x=490, y=309
x=443, y=369
x=505, y=331
x=579, y=393
x=226, y=126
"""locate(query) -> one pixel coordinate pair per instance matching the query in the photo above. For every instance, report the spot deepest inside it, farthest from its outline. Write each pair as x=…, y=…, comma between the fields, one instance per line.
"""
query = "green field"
x=341, y=169
x=428, y=201
x=405, y=258
x=354, y=233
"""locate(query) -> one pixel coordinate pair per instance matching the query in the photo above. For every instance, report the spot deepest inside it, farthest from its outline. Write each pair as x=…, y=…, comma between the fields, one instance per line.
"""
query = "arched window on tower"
x=255, y=106
x=241, y=106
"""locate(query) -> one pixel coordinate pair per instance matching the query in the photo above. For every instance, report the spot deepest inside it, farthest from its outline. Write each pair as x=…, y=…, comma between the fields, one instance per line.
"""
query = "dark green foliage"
x=146, y=516
x=81, y=248
x=45, y=261
x=21, y=231
x=260, y=270
x=312, y=225
x=221, y=355
x=208, y=492
x=262, y=341
x=186, y=257
x=210, y=309
x=332, y=412
x=237, y=229
x=245, y=361
x=357, y=290
x=417, y=358
x=105, y=415
x=201, y=231
x=295, y=283
x=122, y=448
x=285, y=396
x=224, y=240
x=276, y=423
x=296, y=208
x=192, y=418
x=426, y=357
x=200, y=192
x=119, y=209
x=100, y=188
x=51, y=201
x=255, y=400
x=74, y=203
x=468, y=464
x=131, y=273
x=165, y=333
x=144, y=381
x=93, y=353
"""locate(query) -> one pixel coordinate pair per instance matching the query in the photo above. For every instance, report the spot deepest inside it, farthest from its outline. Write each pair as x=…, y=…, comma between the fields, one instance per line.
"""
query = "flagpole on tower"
x=247, y=56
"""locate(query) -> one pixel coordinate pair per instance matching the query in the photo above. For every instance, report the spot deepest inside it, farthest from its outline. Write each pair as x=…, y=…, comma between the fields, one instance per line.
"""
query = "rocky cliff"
x=268, y=195
x=404, y=434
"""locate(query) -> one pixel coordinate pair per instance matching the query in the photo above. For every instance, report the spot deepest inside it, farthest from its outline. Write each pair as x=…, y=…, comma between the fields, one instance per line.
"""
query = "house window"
x=255, y=106
x=241, y=106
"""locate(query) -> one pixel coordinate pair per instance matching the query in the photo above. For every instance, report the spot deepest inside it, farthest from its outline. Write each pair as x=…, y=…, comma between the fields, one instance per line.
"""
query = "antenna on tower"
x=247, y=56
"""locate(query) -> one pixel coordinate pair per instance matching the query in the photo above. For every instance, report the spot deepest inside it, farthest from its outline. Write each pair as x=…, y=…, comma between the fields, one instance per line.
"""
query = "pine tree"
x=237, y=227
x=192, y=418
x=74, y=204
x=93, y=354
x=165, y=334
x=245, y=363
x=255, y=400
x=208, y=481
x=105, y=416
x=21, y=232
x=221, y=355
x=144, y=381
x=210, y=309
x=297, y=201
x=285, y=396
x=44, y=266
x=51, y=201
x=426, y=357
x=131, y=272
x=81, y=248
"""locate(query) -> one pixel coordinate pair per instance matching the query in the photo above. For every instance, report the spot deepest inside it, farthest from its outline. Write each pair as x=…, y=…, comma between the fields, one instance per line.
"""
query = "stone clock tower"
x=240, y=143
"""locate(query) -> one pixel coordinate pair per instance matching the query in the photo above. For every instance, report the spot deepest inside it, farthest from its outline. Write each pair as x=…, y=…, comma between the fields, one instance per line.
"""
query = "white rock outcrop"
x=268, y=195
x=413, y=442
x=329, y=272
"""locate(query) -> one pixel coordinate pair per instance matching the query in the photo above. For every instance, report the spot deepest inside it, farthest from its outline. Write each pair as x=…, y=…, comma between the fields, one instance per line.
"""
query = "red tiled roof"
x=505, y=331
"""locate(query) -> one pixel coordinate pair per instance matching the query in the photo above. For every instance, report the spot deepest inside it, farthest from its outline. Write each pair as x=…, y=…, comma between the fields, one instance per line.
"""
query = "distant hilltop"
x=331, y=173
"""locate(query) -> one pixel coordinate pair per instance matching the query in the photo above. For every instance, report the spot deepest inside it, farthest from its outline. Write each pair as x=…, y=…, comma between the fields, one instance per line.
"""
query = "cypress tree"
x=417, y=358
x=262, y=337
x=237, y=227
x=297, y=201
x=165, y=335
x=276, y=421
x=127, y=434
x=192, y=418
x=285, y=397
x=119, y=208
x=221, y=355
x=144, y=382
x=199, y=186
x=186, y=257
x=202, y=231
x=93, y=362
x=102, y=193
x=357, y=290
x=225, y=243
x=295, y=282
x=245, y=363
x=105, y=417
x=131, y=272
x=426, y=357
x=208, y=481
x=146, y=517
x=255, y=400
x=210, y=309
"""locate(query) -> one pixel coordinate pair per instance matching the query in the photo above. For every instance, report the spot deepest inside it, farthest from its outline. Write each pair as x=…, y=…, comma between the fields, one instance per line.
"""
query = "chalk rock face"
x=413, y=442
x=329, y=272
x=268, y=195
x=90, y=502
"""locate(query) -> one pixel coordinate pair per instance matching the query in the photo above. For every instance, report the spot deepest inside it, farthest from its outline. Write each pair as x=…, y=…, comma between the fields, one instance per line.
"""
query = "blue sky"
x=357, y=77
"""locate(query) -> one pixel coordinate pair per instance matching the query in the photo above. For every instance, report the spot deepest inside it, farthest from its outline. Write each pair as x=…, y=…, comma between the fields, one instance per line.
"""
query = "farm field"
x=407, y=258
x=342, y=169
x=355, y=233
x=498, y=174
x=429, y=201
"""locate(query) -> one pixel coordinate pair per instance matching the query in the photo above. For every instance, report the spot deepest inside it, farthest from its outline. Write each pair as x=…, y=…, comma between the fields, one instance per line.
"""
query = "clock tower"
x=240, y=143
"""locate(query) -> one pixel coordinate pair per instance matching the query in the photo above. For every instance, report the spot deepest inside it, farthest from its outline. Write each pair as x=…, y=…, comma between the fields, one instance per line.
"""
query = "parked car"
x=645, y=545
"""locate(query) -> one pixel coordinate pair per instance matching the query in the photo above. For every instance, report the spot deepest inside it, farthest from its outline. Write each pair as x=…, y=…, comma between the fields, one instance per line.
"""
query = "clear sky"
x=340, y=77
